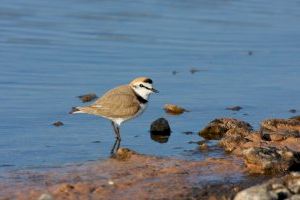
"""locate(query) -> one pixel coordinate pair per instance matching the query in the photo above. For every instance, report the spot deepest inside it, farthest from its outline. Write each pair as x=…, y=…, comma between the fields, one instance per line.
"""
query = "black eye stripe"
x=141, y=85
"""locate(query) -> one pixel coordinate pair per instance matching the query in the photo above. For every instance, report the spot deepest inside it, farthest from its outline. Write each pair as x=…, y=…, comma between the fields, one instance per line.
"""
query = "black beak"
x=154, y=90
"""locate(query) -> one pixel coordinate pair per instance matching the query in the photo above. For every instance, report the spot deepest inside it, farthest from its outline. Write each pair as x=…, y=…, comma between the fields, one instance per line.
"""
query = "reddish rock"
x=217, y=128
x=284, y=126
x=234, y=139
x=87, y=97
x=274, y=149
x=174, y=109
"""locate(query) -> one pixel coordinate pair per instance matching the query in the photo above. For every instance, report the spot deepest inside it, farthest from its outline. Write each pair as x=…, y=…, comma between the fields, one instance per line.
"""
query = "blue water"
x=52, y=51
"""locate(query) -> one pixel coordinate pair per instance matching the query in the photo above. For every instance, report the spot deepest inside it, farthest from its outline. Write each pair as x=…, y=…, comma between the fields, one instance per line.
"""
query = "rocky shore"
x=259, y=164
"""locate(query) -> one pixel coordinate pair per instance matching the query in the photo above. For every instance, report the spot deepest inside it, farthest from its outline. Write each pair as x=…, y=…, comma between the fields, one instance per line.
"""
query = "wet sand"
x=133, y=176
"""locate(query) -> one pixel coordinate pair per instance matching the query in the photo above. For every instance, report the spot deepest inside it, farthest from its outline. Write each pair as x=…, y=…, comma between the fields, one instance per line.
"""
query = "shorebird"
x=121, y=104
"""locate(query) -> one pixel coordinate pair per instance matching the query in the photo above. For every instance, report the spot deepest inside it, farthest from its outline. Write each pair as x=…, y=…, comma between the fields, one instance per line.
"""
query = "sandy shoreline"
x=252, y=157
x=134, y=176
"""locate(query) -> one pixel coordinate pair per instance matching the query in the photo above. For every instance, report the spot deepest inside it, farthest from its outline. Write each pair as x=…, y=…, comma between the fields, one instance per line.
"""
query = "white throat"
x=142, y=92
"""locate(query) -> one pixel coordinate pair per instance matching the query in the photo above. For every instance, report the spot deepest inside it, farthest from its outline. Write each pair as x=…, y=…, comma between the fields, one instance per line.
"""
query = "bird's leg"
x=118, y=138
x=113, y=148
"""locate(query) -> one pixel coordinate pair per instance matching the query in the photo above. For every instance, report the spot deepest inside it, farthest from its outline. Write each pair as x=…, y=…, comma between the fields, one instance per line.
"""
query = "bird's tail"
x=76, y=110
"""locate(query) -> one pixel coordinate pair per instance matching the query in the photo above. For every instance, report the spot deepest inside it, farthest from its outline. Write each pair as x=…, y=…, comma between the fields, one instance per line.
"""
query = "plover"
x=120, y=104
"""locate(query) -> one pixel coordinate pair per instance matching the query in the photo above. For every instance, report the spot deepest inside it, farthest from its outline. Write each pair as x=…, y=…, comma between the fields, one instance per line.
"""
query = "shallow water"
x=52, y=51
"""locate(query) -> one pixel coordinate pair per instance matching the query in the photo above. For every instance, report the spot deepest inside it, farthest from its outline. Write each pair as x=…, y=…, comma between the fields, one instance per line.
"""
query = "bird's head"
x=143, y=87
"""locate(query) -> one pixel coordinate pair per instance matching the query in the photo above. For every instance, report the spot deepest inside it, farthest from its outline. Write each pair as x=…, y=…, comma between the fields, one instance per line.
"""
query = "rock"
x=217, y=128
x=292, y=110
x=194, y=70
x=234, y=108
x=174, y=109
x=296, y=117
x=281, y=125
x=87, y=97
x=58, y=123
x=269, y=160
x=203, y=146
x=279, y=129
x=65, y=188
x=295, y=197
x=234, y=139
x=274, y=189
x=254, y=193
x=174, y=72
x=45, y=197
x=160, y=127
x=188, y=132
x=250, y=53
x=124, y=154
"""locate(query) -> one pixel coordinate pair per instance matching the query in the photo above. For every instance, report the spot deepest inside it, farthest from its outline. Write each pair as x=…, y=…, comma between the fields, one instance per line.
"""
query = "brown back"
x=119, y=102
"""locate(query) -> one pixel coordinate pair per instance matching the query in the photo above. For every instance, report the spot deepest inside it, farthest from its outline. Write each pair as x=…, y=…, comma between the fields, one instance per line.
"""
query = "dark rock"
x=234, y=108
x=269, y=160
x=87, y=97
x=174, y=72
x=266, y=136
x=292, y=110
x=217, y=128
x=250, y=53
x=194, y=70
x=160, y=127
x=58, y=123
x=194, y=142
x=188, y=132
x=287, y=187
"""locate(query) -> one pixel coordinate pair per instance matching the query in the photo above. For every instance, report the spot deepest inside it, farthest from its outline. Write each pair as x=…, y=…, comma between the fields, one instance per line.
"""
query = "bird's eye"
x=141, y=85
